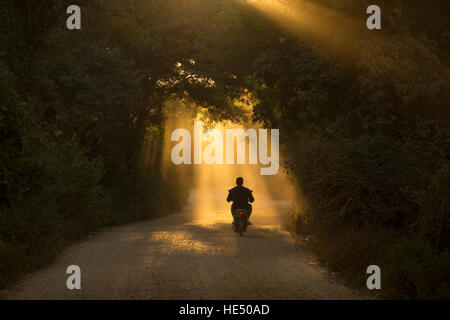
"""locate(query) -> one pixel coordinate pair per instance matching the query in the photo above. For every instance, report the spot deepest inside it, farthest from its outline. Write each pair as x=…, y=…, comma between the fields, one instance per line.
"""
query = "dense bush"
x=51, y=191
x=57, y=197
x=434, y=205
x=414, y=269
x=378, y=201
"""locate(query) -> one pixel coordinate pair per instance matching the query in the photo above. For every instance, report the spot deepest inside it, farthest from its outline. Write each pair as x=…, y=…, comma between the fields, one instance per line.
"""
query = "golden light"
x=312, y=22
x=209, y=184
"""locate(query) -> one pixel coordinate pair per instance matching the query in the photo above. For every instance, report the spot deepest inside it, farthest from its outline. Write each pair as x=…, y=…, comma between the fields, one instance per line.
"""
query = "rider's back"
x=240, y=196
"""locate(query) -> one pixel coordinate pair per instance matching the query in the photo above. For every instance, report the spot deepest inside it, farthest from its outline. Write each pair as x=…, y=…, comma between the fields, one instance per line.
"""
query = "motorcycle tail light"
x=241, y=213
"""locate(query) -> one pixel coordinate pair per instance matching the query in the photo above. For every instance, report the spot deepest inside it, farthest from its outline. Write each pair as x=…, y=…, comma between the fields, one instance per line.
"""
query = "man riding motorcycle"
x=241, y=196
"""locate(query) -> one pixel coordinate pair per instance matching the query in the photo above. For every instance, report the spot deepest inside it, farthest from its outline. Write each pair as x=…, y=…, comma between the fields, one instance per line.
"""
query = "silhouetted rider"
x=241, y=196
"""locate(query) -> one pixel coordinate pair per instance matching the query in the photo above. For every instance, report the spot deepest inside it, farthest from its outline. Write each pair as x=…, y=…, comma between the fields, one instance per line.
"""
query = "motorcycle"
x=240, y=221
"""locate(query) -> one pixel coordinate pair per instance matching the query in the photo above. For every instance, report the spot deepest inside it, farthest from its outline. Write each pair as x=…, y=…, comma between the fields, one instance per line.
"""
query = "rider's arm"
x=229, y=198
x=250, y=196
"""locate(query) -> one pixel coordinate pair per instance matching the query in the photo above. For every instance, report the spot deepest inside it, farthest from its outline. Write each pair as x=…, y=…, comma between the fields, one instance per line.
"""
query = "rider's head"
x=239, y=181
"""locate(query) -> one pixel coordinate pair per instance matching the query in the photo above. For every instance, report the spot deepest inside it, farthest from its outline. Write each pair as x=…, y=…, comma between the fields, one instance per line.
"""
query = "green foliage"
x=56, y=197
x=416, y=270
x=353, y=249
x=434, y=205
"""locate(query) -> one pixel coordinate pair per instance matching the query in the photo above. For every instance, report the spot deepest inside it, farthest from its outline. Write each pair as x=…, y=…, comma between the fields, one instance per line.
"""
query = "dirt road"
x=190, y=255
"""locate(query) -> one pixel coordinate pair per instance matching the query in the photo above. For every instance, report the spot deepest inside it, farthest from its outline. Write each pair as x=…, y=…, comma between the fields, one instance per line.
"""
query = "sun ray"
x=313, y=22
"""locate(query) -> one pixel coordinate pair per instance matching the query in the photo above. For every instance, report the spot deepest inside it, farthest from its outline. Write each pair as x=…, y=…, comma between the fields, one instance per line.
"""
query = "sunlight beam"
x=312, y=22
x=209, y=183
